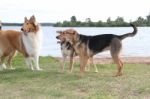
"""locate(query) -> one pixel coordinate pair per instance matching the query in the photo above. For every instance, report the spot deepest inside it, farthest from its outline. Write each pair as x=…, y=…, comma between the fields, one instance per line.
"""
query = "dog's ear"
x=25, y=19
x=32, y=19
x=73, y=32
x=70, y=31
x=59, y=32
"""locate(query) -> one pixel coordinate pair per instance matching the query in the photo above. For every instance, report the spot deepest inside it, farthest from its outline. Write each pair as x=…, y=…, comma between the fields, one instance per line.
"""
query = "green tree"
x=73, y=19
x=100, y=24
x=110, y=22
x=120, y=21
x=140, y=21
x=58, y=24
x=66, y=24
x=89, y=23
x=88, y=20
x=148, y=20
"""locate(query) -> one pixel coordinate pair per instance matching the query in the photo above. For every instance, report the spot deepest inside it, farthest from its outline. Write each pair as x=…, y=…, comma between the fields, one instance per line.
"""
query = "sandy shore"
x=132, y=60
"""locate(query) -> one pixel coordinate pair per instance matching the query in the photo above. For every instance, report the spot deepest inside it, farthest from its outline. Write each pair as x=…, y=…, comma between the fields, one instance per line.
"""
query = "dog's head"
x=60, y=37
x=30, y=25
x=70, y=35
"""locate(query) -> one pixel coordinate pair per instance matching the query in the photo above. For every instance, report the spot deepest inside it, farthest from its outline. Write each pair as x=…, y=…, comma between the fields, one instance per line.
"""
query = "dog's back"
x=9, y=40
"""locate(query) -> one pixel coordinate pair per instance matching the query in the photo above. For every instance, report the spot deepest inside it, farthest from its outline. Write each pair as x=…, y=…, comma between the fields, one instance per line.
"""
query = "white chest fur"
x=32, y=42
x=65, y=51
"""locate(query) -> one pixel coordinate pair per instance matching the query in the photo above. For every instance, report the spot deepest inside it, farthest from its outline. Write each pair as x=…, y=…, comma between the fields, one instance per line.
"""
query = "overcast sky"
x=59, y=10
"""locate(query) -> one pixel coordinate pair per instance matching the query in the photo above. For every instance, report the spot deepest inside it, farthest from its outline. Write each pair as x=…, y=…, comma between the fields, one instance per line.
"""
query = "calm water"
x=132, y=47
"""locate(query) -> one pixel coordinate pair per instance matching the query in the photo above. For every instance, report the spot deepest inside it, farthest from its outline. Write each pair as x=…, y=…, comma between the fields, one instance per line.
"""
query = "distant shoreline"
x=52, y=24
x=20, y=24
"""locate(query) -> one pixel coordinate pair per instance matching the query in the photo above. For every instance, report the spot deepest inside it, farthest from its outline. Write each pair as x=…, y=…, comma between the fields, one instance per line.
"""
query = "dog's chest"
x=66, y=49
x=31, y=43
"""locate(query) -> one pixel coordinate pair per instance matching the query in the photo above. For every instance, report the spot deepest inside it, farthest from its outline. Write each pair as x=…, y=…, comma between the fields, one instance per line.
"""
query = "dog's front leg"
x=71, y=64
x=92, y=63
x=63, y=63
x=87, y=68
x=28, y=61
x=36, y=62
x=83, y=62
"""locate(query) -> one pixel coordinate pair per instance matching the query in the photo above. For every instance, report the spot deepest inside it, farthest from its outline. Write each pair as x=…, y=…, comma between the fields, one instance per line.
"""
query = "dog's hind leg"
x=3, y=66
x=119, y=65
x=10, y=57
x=115, y=51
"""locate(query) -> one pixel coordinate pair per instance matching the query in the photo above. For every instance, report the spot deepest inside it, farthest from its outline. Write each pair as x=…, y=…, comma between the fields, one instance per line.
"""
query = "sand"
x=131, y=60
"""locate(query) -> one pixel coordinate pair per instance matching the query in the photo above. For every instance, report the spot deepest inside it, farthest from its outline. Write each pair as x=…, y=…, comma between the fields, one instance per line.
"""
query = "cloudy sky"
x=59, y=10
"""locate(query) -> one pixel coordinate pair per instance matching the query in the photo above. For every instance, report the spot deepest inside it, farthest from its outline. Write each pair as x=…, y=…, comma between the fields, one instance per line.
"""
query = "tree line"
x=118, y=22
x=20, y=24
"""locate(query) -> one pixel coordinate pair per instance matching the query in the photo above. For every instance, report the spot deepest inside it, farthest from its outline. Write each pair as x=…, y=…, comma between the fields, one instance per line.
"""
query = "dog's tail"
x=129, y=34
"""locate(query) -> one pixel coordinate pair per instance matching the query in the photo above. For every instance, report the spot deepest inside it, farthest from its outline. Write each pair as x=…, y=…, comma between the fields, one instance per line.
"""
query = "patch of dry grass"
x=23, y=83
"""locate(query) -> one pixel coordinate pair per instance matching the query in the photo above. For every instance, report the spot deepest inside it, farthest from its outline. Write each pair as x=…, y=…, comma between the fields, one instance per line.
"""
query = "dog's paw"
x=12, y=68
x=118, y=74
x=87, y=69
x=69, y=72
x=39, y=69
x=96, y=71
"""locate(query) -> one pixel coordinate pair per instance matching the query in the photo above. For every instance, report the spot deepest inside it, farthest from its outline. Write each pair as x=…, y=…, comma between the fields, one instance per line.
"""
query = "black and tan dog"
x=87, y=46
x=67, y=50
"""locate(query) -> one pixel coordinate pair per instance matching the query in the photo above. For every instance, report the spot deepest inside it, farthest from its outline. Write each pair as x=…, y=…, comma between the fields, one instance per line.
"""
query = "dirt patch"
x=107, y=60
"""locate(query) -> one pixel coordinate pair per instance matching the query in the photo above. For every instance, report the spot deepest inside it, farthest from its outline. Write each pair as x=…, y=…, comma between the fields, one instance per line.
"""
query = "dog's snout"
x=21, y=29
x=57, y=37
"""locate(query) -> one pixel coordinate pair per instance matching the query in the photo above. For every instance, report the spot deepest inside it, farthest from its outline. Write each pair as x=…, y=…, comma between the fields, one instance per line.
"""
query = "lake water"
x=138, y=46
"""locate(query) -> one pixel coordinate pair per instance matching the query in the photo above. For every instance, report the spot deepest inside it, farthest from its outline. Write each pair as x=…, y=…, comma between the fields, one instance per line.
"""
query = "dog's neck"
x=75, y=41
x=63, y=42
x=81, y=39
x=32, y=41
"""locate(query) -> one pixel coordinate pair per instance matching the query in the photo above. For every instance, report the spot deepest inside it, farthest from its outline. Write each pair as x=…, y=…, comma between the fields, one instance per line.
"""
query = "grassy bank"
x=23, y=83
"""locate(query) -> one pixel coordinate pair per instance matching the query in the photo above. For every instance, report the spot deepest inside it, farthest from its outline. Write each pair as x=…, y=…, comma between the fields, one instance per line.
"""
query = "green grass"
x=23, y=83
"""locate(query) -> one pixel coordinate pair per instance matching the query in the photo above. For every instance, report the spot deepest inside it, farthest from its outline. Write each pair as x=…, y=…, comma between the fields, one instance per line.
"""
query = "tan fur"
x=9, y=56
x=60, y=37
x=90, y=60
x=84, y=54
x=30, y=25
x=11, y=41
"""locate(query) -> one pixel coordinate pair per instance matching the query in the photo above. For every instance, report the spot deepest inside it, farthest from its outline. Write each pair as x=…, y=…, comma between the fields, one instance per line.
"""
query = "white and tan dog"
x=28, y=42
